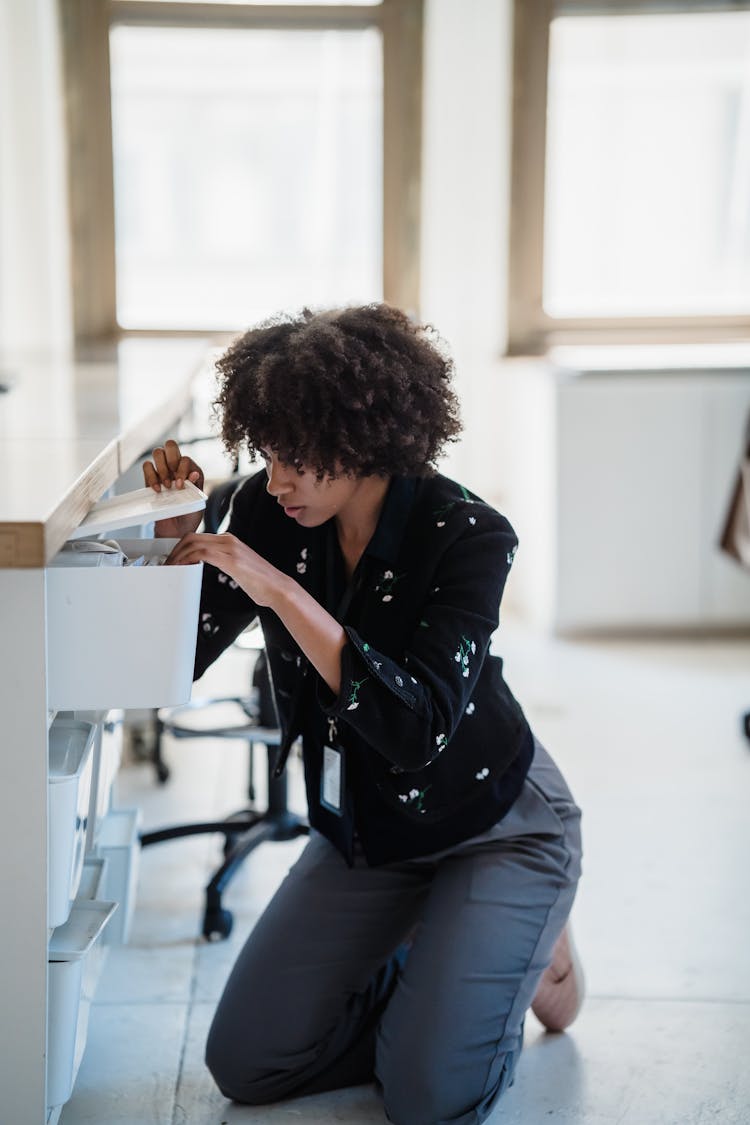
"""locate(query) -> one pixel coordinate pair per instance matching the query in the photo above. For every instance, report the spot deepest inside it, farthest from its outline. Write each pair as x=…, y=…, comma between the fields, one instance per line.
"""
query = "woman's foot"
x=561, y=990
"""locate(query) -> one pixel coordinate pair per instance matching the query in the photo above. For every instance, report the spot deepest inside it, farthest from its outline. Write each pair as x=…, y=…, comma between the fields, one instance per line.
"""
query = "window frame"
x=84, y=30
x=531, y=330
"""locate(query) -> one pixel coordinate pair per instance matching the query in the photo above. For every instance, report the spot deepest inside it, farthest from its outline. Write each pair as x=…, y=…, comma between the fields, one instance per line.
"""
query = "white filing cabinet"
x=70, y=427
x=117, y=636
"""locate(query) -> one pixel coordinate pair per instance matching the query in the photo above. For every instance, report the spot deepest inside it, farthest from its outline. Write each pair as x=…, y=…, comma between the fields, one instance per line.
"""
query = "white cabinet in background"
x=620, y=486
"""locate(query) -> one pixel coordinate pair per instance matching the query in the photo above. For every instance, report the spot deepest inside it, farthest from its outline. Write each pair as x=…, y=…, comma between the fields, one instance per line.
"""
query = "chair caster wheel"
x=217, y=924
x=162, y=772
x=746, y=724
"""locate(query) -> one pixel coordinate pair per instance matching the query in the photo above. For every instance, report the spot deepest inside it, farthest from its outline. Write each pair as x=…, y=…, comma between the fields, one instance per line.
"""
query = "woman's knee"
x=253, y=1061
x=227, y=1070
x=420, y=1086
x=234, y=1063
x=240, y=1081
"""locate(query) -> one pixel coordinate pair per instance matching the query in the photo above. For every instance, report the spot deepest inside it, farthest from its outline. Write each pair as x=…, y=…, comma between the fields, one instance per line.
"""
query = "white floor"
x=648, y=735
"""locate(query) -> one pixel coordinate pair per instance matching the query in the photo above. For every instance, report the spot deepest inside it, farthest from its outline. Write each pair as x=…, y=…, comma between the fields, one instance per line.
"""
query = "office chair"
x=243, y=831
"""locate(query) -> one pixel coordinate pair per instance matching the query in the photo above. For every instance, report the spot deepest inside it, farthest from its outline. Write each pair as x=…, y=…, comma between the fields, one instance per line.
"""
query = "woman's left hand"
x=263, y=582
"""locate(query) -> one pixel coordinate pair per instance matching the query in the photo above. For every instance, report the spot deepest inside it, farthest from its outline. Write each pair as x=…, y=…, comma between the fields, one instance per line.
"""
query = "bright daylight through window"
x=647, y=196
x=248, y=172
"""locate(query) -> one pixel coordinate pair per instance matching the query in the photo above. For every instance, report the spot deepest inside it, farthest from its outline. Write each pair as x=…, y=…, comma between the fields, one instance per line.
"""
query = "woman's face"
x=303, y=497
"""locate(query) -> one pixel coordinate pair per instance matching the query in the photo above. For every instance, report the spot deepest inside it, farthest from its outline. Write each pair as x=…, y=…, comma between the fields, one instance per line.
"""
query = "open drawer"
x=123, y=636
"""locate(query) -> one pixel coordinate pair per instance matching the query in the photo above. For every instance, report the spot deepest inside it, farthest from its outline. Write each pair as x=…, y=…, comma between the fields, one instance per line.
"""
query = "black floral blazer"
x=434, y=746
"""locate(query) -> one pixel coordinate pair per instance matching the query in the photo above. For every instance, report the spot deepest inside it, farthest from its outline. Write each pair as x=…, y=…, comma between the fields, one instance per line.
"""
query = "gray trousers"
x=416, y=975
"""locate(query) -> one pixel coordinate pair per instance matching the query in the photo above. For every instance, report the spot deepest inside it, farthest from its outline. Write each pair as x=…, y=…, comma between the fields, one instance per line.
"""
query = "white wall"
x=35, y=312
x=466, y=162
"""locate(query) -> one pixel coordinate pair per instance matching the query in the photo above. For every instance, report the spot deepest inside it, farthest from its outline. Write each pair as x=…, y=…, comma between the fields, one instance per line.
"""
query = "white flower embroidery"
x=440, y=523
x=301, y=567
x=470, y=709
x=224, y=578
x=386, y=584
x=483, y=773
x=441, y=742
x=472, y=520
x=510, y=556
x=462, y=655
x=415, y=797
x=207, y=624
x=302, y=564
x=399, y=681
x=352, y=707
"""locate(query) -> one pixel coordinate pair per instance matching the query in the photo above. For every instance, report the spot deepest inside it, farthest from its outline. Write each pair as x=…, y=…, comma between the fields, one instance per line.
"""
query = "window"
x=247, y=173
x=246, y=159
x=631, y=173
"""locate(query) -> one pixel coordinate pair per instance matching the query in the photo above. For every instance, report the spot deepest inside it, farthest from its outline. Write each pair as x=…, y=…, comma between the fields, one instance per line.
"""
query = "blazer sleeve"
x=407, y=708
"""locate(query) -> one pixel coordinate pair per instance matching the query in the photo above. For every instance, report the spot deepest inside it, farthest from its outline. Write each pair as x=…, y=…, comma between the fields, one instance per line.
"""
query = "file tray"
x=74, y=940
x=133, y=509
x=120, y=845
x=70, y=992
x=70, y=772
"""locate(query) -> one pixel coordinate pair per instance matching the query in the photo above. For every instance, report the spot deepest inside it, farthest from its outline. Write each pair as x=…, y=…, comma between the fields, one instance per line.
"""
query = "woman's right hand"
x=170, y=469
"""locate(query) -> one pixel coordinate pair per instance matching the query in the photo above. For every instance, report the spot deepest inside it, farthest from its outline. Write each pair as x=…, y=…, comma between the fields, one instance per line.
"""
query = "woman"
x=427, y=911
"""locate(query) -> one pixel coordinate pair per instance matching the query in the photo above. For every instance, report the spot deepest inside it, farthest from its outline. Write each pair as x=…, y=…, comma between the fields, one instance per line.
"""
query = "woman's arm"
x=406, y=703
x=317, y=633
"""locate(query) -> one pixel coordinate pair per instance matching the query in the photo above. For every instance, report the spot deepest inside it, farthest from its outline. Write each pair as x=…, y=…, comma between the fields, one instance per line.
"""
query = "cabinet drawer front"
x=121, y=637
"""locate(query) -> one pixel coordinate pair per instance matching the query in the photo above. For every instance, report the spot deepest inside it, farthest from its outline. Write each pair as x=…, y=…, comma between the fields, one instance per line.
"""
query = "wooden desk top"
x=69, y=427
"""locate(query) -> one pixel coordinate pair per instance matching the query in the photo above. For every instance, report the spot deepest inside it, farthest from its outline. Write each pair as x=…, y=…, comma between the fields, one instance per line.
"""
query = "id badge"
x=332, y=780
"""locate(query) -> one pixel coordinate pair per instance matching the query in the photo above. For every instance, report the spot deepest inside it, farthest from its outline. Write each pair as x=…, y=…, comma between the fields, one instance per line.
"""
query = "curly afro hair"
x=360, y=390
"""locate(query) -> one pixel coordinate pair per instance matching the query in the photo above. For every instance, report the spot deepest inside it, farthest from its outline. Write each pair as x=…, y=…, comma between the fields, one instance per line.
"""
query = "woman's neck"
x=356, y=523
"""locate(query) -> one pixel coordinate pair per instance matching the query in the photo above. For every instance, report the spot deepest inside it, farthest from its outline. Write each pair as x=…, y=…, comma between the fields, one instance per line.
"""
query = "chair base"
x=268, y=827
x=243, y=832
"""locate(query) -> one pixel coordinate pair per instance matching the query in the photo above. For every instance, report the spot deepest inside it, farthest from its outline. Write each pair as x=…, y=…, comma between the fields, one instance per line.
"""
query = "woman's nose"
x=278, y=479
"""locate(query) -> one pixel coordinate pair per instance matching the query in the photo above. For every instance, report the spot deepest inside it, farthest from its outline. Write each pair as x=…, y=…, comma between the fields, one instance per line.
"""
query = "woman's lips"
x=292, y=511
